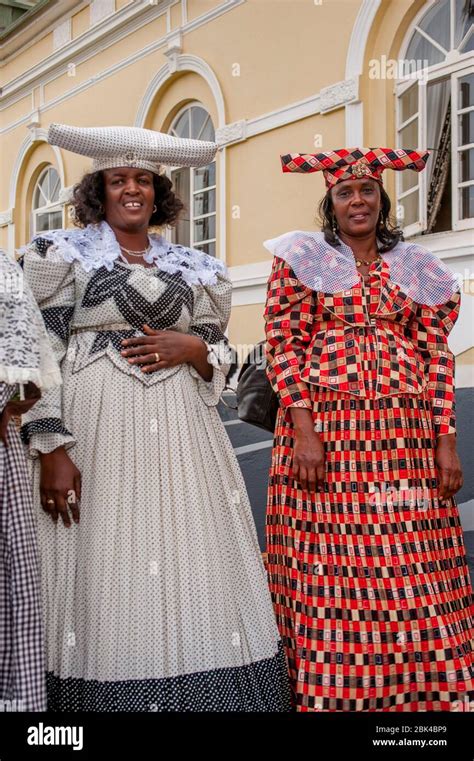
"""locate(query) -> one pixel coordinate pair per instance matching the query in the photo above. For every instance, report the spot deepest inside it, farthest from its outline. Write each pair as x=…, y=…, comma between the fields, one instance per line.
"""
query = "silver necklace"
x=139, y=254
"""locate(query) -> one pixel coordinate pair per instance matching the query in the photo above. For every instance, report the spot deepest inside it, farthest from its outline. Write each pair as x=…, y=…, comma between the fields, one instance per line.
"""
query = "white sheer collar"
x=96, y=246
x=421, y=275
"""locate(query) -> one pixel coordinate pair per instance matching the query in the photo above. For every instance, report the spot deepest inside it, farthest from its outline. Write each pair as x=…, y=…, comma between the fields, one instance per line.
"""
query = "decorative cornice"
x=62, y=34
x=100, y=9
x=173, y=51
x=232, y=133
x=107, y=32
x=183, y=63
x=65, y=195
x=6, y=217
x=236, y=132
x=339, y=94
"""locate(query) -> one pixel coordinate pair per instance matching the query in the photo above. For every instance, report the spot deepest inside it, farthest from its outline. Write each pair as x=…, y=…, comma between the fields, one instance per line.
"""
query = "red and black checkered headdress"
x=355, y=163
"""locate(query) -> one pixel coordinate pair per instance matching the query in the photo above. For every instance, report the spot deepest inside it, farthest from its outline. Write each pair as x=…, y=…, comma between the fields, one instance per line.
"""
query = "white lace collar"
x=25, y=350
x=420, y=274
x=96, y=246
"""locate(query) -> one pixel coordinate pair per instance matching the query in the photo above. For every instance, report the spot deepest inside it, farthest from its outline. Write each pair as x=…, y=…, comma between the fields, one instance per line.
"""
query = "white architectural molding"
x=232, y=133
x=461, y=338
x=360, y=33
x=41, y=24
x=355, y=124
x=38, y=135
x=249, y=282
x=449, y=245
x=35, y=135
x=65, y=195
x=173, y=51
x=287, y=114
x=6, y=217
x=183, y=63
x=100, y=9
x=464, y=376
x=222, y=201
x=236, y=132
x=354, y=67
x=466, y=513
x=33, y=124
x=339, y=94
x=105, y=33
x=62, y=34
x=102, y=35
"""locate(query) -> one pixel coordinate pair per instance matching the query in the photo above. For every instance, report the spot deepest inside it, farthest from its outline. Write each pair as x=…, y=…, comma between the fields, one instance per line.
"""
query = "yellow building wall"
x=246, y=325
x=265, y=55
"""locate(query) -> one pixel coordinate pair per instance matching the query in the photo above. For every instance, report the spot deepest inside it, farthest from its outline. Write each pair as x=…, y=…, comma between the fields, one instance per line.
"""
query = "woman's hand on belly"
x=172, y=347
x=60, y=486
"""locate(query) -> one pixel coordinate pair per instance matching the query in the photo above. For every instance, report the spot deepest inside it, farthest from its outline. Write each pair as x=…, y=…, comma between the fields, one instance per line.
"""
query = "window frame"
x=49, y=208
x=455, y=66
x=458, y=222
x=192, y=184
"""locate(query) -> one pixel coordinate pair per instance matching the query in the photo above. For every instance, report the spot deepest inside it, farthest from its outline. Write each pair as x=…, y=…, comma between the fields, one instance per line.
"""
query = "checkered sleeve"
x=429, y=331
x=288, y=316
x=51, y=280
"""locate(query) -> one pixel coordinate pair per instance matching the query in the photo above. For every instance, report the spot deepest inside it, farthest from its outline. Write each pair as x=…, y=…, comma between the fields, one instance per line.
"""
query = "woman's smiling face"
x=357, y=205
x=129, y=195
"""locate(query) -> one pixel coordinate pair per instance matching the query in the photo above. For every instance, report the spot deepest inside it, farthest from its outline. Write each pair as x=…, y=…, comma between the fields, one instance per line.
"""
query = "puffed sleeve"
x=51, y=280
x=429, y=331
x=288, y=316
x=210, y=318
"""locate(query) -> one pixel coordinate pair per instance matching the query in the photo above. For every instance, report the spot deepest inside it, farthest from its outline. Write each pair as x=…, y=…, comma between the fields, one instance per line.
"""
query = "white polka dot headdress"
x=112, y=147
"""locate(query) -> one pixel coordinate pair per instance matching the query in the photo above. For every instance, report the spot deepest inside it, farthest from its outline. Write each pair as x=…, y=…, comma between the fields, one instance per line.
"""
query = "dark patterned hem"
x=260, y=686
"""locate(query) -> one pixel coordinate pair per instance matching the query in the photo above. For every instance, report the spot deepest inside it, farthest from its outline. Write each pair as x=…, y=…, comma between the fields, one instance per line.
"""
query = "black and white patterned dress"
x=157, y=600
x=22, y=663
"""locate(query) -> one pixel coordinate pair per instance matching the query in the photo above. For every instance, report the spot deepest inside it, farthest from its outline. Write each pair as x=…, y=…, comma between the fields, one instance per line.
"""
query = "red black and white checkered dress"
x=369, y=577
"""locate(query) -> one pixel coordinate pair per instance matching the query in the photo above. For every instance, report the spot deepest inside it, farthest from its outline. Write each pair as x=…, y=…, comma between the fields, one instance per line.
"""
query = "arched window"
x=435, y=109
x=47, y=213
x=196, y=187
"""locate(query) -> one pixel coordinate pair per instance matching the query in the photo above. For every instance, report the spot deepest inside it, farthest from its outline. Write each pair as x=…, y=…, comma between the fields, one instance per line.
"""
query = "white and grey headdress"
x=112, y=147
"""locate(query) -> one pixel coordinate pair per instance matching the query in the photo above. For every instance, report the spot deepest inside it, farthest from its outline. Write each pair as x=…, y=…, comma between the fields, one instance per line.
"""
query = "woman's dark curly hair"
x=386, y=230
x=89, y=195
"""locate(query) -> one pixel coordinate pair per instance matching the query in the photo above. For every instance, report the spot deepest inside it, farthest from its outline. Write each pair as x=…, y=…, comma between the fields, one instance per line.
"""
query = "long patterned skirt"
x=157, y=599
x=369, y=578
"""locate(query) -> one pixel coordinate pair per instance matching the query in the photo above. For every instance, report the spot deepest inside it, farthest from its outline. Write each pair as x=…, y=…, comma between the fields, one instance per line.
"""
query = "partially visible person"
x=27, y=366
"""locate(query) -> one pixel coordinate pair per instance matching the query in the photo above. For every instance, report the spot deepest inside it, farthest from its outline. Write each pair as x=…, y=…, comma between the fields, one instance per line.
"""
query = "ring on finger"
x=157, y=356
x=50, y=502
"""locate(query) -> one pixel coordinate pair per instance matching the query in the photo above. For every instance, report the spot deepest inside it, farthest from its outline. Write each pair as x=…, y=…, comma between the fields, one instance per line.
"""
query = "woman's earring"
x=155, y=209
x=101, y=209
x=334, y=225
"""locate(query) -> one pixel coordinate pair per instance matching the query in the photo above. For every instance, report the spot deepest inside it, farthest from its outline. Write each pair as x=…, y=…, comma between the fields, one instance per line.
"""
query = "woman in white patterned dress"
x=154, y=588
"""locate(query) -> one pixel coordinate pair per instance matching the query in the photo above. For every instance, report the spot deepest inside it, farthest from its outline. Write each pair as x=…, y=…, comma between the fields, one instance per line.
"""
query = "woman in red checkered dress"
x=366, y=561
